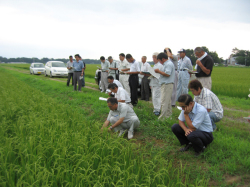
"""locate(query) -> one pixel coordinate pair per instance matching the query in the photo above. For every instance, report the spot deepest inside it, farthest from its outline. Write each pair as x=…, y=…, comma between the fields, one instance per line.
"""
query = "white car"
x=37, y=68
x=55, y=68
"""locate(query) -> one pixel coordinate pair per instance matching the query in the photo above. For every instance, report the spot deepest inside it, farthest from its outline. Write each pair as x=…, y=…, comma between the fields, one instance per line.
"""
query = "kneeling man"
x=122, y=117
x=198, y=132
x=208, y=99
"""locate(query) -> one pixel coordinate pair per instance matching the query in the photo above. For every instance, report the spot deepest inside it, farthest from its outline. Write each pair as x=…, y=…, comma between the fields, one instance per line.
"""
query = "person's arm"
x=161, y=72
x=135, y=72
x=203, y=68
x=127, y=69
x=106, y=123
x=117, y=123
x=121, y=101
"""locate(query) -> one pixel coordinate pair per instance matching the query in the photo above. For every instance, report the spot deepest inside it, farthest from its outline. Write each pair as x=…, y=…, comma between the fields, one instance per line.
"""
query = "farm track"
x=240, y=120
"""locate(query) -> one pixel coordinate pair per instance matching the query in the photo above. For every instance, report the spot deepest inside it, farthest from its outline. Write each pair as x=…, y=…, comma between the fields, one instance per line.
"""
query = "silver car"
x=37, y=68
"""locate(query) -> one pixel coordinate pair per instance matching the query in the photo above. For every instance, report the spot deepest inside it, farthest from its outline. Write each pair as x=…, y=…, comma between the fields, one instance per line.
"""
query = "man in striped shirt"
x=208, y=99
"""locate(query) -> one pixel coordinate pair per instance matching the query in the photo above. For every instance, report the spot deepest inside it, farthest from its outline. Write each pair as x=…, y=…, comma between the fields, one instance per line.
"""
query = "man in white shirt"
x=124, y=67
x=70, y=70
x=113, y=67
x=104, y=74
x=133, y=78
x=112, y=80
x=208, y=99
x=120, y=94
x=122, y=117
x=145, y=81
x=156, y=87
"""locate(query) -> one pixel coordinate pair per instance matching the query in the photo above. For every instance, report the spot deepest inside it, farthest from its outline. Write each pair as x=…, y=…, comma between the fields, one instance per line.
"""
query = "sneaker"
x=199, y=153
x=130, y=134
x=122, y=132
x=186, y=147
x=157, y=113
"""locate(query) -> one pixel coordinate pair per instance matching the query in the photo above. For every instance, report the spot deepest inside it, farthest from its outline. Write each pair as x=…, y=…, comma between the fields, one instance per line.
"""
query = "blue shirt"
x=199, y=117
x=78, y=66
x=168, y=68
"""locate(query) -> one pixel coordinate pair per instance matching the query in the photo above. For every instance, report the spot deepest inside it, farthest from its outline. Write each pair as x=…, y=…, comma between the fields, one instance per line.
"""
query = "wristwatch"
x=111, y=127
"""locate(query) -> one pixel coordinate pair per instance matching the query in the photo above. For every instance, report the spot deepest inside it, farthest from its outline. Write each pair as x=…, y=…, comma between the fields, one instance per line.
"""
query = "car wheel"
x=45, y=74
x=51, y=75
x=33, y=73
x=30, y=72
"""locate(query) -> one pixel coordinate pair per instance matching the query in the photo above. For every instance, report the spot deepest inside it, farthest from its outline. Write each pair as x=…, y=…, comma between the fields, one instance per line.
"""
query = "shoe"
x=173, y=106
x=130, y=134
x=157, y=113
x=183, y=149
x=122, y=132
x=199, y=153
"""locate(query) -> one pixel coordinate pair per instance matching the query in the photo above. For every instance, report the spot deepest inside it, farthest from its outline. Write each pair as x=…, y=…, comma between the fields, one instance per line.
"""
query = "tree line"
x=242, y=57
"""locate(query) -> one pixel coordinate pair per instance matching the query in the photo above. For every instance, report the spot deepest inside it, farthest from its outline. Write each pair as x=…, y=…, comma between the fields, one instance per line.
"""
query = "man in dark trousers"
x=134, y=70
x=78, y=72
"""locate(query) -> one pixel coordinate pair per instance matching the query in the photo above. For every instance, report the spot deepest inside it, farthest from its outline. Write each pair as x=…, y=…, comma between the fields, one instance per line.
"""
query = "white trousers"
x=206, y=82
x=156, y=98
x=132, y=124
x=166, y=108
x=104, y=81
x=124, y=81
x=174, y=94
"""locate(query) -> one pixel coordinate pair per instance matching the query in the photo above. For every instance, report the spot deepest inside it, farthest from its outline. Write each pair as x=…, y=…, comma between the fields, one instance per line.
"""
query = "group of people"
x=172, y=85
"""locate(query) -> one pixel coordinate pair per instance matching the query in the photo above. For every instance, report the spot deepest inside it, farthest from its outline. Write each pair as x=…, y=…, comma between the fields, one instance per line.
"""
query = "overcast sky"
x=59, y=28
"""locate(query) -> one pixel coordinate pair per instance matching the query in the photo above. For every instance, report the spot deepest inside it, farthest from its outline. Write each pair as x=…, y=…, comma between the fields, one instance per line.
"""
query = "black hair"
x=161, y=56
x=102, y=58
x=77, y=55
x=128, y=56
x=70, y=56
x=111, y=77
x=112, y=86
x=122, y=54
x=185, y=98
x=112, y=100
x=195, y=84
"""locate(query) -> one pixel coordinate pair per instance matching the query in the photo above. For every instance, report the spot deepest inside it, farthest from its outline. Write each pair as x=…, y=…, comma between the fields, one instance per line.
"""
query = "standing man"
x=145, y=81
x=184, y=76
x=174, y=59
x=133, y=78
x=78, y=72
x=208, y=99
x=204, y=65
x=166, y=81
x=156, y=87
x=198, y=132
x=122, y=117
x=70, y=70
x=124, y=66
x=104, y=74
x=113, y=67
x=83, y=79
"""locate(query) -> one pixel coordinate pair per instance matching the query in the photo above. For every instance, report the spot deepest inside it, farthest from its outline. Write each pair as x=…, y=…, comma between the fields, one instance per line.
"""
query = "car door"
x=31, y=68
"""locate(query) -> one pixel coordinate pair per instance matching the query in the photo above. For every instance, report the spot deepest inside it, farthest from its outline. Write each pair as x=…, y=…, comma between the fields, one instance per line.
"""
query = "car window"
x=38, y=65
x=57, y=64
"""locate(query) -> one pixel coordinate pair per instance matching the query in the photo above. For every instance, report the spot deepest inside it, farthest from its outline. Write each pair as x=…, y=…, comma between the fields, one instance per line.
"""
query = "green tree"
x=242, y=56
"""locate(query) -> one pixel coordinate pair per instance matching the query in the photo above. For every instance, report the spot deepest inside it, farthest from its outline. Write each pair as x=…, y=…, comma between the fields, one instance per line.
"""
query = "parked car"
x=37, y=68
x=55, y=68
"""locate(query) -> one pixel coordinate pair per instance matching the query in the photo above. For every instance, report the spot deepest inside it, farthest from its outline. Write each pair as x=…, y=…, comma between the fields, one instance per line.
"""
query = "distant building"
x=232, y=61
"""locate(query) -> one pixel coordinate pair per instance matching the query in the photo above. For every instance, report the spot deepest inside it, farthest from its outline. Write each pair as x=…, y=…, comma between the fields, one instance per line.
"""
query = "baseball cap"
x=182, y=51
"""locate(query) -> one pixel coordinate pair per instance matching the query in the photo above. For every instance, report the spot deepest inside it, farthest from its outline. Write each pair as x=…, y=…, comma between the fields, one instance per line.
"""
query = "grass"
x=225, y=158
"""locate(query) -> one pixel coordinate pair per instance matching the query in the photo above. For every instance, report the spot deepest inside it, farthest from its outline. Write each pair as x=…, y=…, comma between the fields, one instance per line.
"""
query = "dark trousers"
x=76, y=78
x=133, y=84
x=69, y=77
x=197, y=138
x=83, y=81
x=145, y=88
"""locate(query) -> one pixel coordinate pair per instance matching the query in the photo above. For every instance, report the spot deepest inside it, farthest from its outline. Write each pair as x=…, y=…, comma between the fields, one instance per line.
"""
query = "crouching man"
x=198, y=132
x=122, y=118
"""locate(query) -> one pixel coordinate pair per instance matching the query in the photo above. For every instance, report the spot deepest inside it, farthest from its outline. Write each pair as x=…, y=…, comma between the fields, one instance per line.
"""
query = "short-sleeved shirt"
x=185, y=63
x=210, y=101
x=105, y=65
x=145, y=67
x=208, y=63
x=175, y=61
x=122, y=95
x=199, y=117
x=168, y=68
x=123, y=65
x=134, y=66
x=154, y=81
x=78, y=66
x=113, y=65
x=123, y=110
x=69, y=65
x=118, y=83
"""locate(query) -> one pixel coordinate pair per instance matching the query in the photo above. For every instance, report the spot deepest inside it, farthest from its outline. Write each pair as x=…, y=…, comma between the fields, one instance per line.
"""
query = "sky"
x=59, y=28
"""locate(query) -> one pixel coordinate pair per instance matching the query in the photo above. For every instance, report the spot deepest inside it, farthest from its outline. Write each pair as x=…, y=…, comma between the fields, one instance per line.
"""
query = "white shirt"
x=134, y=66
x=118, y=83
x=123, y=65
x=154, y=81
x=145, y=67
x=122, y=95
